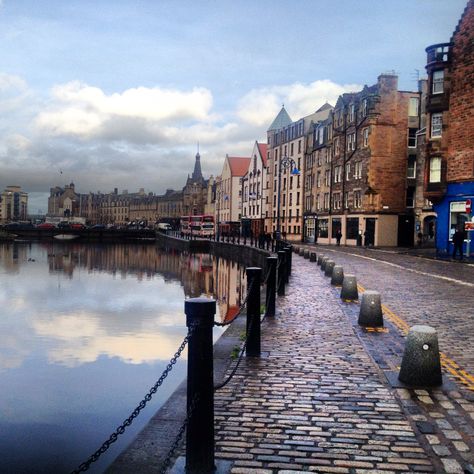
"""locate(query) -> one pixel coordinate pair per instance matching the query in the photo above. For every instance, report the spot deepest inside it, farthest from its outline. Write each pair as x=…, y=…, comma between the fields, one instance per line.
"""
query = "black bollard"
x=281, y=272
x=200, y=390
x=290, y=258
x=271, y=286
x=287, y=263
x=254, y=275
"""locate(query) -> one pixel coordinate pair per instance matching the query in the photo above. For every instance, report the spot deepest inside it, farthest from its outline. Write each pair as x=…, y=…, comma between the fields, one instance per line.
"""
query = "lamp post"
x=285, y=163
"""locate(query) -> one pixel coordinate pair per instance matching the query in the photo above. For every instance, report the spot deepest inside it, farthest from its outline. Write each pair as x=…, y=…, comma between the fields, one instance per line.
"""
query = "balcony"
x=437, y=55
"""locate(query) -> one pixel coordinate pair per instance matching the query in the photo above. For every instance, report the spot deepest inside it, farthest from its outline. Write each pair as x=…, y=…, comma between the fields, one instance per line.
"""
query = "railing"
x=199, y=421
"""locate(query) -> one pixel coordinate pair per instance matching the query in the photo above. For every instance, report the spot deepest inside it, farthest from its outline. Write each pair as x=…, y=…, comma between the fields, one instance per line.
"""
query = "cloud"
x=139, y=137
x=84, y=111
x=260, y=106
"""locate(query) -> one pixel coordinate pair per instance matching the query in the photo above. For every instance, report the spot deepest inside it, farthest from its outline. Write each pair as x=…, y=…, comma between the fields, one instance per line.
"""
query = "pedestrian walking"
x=458, y=242
x=338, y=237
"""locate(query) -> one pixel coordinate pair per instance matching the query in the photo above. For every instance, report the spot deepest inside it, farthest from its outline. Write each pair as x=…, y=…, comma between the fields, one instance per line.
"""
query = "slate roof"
x=281, y=120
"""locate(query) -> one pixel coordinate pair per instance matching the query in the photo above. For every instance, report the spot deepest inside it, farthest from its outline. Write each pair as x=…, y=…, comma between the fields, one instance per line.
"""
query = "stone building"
x=255, y=198
x=229, y=191
x=13, y=204
x=449, y=169
x=360, y=157
x=286, y=149
x=195, y=191
x=65, y=202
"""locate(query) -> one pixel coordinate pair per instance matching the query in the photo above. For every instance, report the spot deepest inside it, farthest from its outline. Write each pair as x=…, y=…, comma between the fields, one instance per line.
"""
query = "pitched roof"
x=281, y=120
x=262, y=148
x=238, y=165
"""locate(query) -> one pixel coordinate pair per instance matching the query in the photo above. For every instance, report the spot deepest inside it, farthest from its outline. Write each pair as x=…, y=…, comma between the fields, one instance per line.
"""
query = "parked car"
x=46, y=225
x=98, y=227
x=78, y=226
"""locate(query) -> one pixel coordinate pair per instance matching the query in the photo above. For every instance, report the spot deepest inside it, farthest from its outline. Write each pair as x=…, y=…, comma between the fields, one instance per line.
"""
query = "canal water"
x=85, y=331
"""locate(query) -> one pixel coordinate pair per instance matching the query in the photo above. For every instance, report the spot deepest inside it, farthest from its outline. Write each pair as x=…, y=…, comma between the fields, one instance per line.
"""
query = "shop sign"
x=458, y=206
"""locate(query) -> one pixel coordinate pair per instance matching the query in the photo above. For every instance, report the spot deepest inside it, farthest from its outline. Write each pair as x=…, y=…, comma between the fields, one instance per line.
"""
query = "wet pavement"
x=319, y=399
x=324, y=397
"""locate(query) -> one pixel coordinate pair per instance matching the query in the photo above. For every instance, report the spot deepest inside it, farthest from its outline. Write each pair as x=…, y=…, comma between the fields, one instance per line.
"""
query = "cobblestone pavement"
x=317, y=400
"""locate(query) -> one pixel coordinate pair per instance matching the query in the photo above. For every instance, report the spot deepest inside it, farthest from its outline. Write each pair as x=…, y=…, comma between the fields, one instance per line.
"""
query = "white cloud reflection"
x=79, y=339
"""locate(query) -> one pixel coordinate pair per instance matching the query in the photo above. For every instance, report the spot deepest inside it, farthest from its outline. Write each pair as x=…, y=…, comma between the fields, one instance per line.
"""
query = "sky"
x=118, y=93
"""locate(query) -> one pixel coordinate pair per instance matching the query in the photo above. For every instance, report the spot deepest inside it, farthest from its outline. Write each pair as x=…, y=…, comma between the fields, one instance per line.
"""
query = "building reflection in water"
x=199, y=274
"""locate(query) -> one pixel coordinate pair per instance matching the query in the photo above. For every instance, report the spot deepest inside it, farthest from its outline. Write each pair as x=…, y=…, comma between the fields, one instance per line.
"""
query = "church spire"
x=197, y=174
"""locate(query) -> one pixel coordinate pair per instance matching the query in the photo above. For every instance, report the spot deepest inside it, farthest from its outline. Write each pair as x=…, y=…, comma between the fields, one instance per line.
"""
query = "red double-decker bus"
x=198, y=226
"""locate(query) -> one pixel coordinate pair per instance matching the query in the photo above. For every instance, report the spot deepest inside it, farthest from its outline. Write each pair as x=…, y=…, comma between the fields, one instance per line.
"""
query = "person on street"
x=458, y=242
x=338, y=237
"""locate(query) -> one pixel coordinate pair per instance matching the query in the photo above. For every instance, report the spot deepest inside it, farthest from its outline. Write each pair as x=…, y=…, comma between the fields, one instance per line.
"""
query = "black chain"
x=242, y=351
x=121, y=429
x=179, y=436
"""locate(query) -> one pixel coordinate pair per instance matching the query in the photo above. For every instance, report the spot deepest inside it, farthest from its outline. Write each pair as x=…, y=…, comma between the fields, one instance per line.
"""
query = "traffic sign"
x=468, y=206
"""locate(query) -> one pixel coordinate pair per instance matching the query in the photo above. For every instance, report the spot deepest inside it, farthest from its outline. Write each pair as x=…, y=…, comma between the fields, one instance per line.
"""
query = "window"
x=358, y=170
x=357, y=199
x=411, y=168
x=291, y=149
x=318, y=179
x=410, y=200
x=326, y=200
x=352, y=227
x=351, y=139
x=337, y=174
x=413, y=107
x=327, y=177
x=364, y=108
x=412, y=137
x=297, y=198
x=323, y=228
x=435, y=169
x=438, y=82
x=346, y=200
x=336, y=147
x=321, y=135
x=436, y=125
x=351, y=112
x=299, y=146
x=336, y=199
x=365, y=137
x=348, y=171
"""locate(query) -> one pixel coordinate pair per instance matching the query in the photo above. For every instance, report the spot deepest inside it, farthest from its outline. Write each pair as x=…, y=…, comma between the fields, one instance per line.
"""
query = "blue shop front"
x=452, y=214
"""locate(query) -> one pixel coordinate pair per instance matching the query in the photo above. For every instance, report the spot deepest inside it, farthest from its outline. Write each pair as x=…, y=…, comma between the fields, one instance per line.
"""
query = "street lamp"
x=285, y=163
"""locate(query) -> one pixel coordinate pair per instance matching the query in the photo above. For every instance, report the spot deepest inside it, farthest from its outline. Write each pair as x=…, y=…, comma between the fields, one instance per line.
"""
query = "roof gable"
x=262, y=148
x=238, y=165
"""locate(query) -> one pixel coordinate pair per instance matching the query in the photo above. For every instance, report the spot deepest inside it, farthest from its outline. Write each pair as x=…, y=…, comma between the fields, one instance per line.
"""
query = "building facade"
x=13, y=204
x=360, y=159
x=286, y=150
x=449, y=169
x=229, y=192
x=255, y=196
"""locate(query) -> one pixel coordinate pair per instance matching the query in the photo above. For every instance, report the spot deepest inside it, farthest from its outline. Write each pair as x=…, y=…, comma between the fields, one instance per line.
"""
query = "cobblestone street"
x=318, y=398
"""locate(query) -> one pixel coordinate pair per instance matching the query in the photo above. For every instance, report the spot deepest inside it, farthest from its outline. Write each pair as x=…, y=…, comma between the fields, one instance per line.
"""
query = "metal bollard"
x=200, y=386
x=349, y=288
x=320, y=259
x=328, y=268
x=290, y=255
x=421, y=364
x=306, y=254
x=281, y=272
x=370, y=313
x=271, y=286
x=337, y=275
x=254, y=275
x=312, y=257
x=287, y=263
x=323, y=263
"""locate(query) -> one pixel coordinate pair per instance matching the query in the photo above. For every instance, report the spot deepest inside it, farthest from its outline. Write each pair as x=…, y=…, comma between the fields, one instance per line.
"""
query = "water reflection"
x=80, y=322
